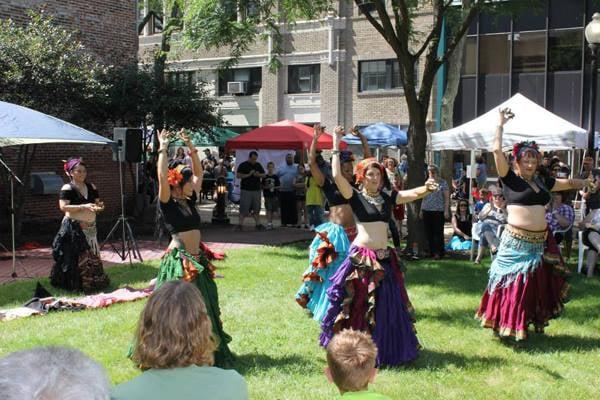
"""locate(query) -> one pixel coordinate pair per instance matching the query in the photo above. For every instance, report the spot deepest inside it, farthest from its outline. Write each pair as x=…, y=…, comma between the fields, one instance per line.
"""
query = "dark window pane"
x=493, y=90
x=566, y=13
x=530, y=85
x=564, y=50
x=494, y=54
x=564, y=95
x=304, y=78
x=531, y=19
x=469, y=65
x=252, y=77
x=494, y=23
x=464, y=105
x=529, y=52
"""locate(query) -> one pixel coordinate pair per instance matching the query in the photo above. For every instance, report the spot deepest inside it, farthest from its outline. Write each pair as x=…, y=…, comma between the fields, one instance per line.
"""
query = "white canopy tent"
x=21, y=125
x=531, y=122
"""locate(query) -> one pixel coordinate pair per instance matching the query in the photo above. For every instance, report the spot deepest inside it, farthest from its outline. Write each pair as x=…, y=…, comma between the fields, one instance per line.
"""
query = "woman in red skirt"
x=527, y=282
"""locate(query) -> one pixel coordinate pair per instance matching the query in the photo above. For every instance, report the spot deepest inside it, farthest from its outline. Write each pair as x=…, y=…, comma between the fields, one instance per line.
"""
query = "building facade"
x=336, y=70
x=107, y=29
x=541, y=53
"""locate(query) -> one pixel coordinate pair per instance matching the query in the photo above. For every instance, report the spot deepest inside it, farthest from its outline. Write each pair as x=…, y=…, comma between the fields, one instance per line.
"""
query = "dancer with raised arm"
x=332, y=240
x=185, y=259
x=527, y=282
x=367, y=292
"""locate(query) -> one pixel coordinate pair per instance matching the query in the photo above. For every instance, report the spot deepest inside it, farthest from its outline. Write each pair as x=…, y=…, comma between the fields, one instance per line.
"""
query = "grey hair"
x=52, y=373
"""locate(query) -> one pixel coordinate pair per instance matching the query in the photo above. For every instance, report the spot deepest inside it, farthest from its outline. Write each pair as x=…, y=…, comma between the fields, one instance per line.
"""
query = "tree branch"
x=372, y=20
x=473, y=11
x=435, y=31
x=390, y=33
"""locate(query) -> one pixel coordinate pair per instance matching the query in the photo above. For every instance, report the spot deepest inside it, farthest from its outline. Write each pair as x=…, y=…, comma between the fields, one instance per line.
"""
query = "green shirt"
x=191, y=382
x=364, y=395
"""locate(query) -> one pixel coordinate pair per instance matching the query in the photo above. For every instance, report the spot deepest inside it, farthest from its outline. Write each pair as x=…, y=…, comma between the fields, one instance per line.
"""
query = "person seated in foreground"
x=174, y=347
x=559, y=216
x=52, y=373
x=490, y=218
x=462, y=222
x=351, y=365
x=591, y=238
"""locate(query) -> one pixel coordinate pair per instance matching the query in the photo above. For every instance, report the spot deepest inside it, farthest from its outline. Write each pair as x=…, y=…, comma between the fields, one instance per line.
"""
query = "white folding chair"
x=582, y=249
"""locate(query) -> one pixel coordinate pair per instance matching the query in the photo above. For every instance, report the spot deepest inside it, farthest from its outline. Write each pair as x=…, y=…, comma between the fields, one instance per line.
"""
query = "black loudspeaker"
x=129, y=142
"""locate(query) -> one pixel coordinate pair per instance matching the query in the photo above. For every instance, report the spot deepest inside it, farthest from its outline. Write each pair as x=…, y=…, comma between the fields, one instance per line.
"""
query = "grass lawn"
x=276, y=342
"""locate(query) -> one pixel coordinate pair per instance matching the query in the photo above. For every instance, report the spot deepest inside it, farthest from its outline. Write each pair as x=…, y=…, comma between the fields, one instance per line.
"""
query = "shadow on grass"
x=458, y=316
x=539, y=344
x=455, y=276
x=252, y=362
x=439, y=360
x=16, y=293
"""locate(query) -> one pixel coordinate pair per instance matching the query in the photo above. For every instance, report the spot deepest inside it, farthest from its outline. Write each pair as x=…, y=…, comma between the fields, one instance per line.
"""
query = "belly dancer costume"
x=527, y=283
x=326, y=253
x=75, y=249
x=177, y=263
x=367, y=292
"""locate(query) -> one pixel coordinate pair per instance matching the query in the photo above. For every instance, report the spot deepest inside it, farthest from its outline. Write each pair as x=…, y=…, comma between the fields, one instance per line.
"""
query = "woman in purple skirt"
x=367, y=292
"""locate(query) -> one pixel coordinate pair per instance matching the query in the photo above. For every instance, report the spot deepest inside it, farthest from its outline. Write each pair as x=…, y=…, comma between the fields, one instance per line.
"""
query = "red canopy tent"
x=282, y=135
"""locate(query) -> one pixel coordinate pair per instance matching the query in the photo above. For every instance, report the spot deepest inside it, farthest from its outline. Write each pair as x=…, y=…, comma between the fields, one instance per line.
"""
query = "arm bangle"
x=334, y=152
x=163, y=151
x=195, y=151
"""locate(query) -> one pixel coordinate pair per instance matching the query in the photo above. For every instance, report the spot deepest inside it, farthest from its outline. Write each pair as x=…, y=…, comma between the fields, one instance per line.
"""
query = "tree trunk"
x=417, y=134
x=454, y=66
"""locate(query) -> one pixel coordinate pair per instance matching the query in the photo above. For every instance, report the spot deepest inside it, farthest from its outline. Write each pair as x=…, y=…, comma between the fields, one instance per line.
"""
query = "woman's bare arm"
x=501, y=163
x=343, y=186
x=316, y=172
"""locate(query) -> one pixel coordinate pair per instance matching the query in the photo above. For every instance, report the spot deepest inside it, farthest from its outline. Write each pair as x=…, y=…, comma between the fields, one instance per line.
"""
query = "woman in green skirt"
x=178, y=189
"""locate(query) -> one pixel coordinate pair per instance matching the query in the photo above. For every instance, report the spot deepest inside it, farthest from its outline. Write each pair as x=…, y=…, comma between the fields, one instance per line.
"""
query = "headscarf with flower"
x=361, y=168
x=522, y=148
x=71, y=163
x=175, y=175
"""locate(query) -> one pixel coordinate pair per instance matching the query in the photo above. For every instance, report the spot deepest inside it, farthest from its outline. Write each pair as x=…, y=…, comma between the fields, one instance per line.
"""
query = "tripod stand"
x=128, y=243
x=12, y=177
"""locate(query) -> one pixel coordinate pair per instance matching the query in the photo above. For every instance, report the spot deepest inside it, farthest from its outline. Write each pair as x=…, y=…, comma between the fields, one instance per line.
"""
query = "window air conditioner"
x=237, y=87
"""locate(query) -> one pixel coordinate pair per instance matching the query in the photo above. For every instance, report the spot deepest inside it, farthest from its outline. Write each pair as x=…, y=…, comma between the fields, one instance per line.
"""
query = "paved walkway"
x=38, y=262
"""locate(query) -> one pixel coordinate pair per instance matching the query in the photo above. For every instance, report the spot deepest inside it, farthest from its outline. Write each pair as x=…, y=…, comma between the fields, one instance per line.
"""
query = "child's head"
x=351, y=360
x=270, y=167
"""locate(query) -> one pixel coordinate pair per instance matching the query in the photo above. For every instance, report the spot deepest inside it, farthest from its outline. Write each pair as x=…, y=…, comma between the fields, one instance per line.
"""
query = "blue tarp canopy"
x=380, y=134
x=21, y=125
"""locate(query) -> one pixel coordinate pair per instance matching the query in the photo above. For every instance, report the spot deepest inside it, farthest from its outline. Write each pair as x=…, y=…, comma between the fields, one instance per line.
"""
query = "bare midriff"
x=372, y=235
x=82, y=215
x=342, y=215
x=190, y=240
x=531, y=218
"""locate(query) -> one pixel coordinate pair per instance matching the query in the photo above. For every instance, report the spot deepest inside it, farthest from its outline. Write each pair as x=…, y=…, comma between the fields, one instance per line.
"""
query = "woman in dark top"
x=367, y=292
x=462, y=222
x=75, y=248
x=526, y=279
x=186, y=258
x=332, y=240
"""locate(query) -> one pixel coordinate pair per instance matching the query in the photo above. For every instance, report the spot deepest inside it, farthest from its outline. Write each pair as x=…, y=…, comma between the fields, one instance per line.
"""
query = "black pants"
x=287, y=205
x=434, y=231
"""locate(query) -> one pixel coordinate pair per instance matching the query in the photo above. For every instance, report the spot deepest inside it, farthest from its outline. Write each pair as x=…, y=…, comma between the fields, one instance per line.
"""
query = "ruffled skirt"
x=527, y=286
x=368, y=294
x=327, y=252
x=179, y=264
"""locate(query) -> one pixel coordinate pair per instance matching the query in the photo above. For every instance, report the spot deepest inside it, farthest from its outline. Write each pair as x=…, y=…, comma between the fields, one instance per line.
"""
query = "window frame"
x=313, y=77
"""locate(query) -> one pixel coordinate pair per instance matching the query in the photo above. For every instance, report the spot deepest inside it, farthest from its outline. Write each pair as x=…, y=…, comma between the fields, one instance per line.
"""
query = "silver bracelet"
x=334, y=152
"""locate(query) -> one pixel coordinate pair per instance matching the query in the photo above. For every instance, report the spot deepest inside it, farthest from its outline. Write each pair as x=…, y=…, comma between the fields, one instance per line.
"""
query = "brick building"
x=335, y=70
x=108, y=29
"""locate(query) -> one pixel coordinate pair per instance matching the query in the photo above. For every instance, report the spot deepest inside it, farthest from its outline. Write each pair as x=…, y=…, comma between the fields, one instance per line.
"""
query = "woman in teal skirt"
x=185, y=258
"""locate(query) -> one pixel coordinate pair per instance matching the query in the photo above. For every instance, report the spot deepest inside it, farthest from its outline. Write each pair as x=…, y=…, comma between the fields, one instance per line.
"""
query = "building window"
x=250, y=81
x=379, y=75
x=304, y=78
x=181, y=77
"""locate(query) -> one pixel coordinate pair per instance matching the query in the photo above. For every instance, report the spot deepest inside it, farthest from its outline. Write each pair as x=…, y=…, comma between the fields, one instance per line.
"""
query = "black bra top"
x=367, y=212
x=75, y=197
x=178, y=218
x=332, y=194
x=516, y=190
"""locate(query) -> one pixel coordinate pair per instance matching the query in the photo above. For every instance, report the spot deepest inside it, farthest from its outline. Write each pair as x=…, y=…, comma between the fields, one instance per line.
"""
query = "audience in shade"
x=559, y=216
x=462, y=223
x=490, y=218
x=174, y=347
x=52, y=373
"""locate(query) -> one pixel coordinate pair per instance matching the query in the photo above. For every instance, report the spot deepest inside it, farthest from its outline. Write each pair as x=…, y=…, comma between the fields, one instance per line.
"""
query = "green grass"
x=276, y=342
